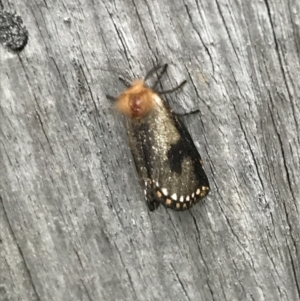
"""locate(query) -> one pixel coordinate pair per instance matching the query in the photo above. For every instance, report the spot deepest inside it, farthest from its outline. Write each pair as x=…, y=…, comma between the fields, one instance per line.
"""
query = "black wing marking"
x=185, y=147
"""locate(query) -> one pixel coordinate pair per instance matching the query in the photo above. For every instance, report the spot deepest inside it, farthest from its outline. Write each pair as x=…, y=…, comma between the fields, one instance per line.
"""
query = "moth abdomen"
x=164, y=153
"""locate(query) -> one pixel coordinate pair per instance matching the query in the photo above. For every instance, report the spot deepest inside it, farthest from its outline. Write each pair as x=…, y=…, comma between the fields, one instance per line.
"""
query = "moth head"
x=136, y=101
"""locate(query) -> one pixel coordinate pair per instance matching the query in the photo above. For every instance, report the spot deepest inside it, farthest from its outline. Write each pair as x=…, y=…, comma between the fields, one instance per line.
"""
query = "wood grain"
x=73, y=221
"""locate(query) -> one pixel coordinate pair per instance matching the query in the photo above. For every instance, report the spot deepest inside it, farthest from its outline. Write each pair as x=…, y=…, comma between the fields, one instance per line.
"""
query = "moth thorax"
x=136, y=105
x=136, y=102
x=140, y=105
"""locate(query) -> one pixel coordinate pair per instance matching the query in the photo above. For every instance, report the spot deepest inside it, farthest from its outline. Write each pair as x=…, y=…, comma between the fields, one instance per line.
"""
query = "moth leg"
x=175, y=89
x=159, y=76
x=153, y=70
x=187, y=113
x=172, y=90
x=124, y=81
x=112, y=98
x=152, y=205
x=152, y=202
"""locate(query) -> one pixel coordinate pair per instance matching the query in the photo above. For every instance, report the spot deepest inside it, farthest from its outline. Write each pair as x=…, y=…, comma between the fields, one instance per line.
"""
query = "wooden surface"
x=73, y=221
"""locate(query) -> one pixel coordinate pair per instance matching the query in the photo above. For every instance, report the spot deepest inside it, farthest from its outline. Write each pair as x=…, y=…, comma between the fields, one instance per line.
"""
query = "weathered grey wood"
x=73, y=222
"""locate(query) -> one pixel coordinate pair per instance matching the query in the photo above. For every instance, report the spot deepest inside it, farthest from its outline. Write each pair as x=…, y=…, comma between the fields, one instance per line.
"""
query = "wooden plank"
x=74, y=224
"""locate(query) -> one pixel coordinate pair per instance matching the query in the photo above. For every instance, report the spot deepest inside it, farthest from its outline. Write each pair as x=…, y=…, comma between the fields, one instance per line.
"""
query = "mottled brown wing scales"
x=167, y=161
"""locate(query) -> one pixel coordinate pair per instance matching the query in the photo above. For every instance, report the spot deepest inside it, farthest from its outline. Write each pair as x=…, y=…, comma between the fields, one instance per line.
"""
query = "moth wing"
x=167, y=160
x=140, y=148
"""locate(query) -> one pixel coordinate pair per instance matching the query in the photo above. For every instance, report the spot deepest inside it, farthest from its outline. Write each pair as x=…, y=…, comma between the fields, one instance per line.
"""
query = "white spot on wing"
x=181, y=199
x=174, y=196
x=164, y=191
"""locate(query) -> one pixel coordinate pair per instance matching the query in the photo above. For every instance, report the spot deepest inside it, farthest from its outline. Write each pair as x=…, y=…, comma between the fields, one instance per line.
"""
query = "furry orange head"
x=136, y=101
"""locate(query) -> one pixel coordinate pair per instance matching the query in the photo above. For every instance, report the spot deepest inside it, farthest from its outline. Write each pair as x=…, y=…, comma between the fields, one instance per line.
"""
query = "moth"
x=166, y=158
